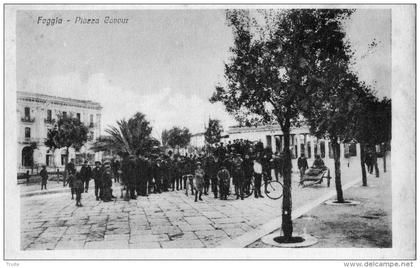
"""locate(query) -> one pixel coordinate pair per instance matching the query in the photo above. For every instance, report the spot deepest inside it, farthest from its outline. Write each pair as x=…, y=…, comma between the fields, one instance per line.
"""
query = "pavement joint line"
x=274, y=224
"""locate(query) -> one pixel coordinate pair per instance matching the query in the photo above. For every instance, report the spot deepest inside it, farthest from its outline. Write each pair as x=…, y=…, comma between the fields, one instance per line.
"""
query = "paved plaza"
x=167, y=220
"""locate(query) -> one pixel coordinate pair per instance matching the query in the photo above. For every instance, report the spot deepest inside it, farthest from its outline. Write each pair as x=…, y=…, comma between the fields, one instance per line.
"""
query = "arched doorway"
x=27, y=156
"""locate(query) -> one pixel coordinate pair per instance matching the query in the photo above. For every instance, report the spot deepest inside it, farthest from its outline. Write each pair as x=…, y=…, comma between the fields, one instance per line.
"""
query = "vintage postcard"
x=209, y=132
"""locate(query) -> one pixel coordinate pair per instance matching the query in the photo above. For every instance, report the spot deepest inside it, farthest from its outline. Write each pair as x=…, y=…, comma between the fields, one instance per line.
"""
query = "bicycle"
x=272, y=189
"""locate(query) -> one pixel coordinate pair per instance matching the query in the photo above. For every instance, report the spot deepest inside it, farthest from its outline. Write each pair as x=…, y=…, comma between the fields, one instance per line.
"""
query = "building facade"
x=36, y=114
x=301, y=142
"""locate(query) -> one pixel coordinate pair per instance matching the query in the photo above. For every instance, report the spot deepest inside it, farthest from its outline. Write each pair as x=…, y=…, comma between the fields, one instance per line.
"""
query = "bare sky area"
x=164, y=63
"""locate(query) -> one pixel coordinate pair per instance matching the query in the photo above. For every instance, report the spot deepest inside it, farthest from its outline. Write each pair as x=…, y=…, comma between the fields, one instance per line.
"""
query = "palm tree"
x=130, y=137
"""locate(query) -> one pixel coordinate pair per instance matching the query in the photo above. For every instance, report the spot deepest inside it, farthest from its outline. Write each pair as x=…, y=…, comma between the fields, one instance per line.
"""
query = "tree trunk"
x=336, y=151
x=362, y=163
x=384, y=155
x=65, y=167
x=375, y=157
x=287, y=225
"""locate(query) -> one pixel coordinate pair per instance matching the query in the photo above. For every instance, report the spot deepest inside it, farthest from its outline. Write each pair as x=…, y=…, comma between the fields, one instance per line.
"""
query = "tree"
x=213, y=131
x=332, y=109
x=176, y=137
x=67, y=132
x=374, y=126
x=132, y=137
x=271, y=69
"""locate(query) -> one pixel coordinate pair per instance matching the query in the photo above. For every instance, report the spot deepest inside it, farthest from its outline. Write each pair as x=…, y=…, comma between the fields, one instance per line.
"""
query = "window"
x=352, y=149
x=27, y=112
x=302, y=149
x=27, y=132
x=330, y=151
x=308, y=146
x=91, y=119
x=64, y=114
x=49, y=160
x=322, y=148
x=78, y=116
x=49, y=115
x=346, y=150
x=268, y=141
x=63, y=159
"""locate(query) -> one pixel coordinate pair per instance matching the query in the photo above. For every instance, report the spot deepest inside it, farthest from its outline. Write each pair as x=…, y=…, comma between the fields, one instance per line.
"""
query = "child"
x=199, y=182
x=78, y=186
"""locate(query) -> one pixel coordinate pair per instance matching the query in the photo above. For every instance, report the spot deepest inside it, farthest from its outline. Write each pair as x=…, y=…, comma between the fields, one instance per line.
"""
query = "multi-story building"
x=37, y=113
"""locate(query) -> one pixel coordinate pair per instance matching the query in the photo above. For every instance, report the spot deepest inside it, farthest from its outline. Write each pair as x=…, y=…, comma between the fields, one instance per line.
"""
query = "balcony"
x=29, y=140
x=49, y=121
x=28, y=119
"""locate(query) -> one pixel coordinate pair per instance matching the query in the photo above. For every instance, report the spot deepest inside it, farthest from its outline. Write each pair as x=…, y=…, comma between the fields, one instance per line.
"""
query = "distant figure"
x=70, y=182
x=199, y=182
x=224, y=181
x=318, y=163
x=70, y=169
x=27, y=176
x=258, y=170
x=107, y=182
x=302, y=165
x=78, y=188
x=44, y=177
x=97, y=177
x=86, y=174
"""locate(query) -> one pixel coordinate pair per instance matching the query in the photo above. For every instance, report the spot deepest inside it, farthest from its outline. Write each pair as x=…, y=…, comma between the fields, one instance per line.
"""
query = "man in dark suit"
x=97, y=178
x=302, y=165
x=85, y=174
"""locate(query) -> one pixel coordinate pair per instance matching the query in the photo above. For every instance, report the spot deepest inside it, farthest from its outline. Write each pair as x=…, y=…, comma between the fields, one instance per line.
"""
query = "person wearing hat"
x=238, y=176
x=248, y=168
x=132, y=176
x=258, y=170
x=107, y=182
x=223, y=176
x=211, y=174
x=198, y=181
x=86, y=173
x=97, y=178
x=44, y=177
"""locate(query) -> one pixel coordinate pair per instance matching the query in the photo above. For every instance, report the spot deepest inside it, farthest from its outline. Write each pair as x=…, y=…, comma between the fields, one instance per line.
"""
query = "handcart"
x=315, y=176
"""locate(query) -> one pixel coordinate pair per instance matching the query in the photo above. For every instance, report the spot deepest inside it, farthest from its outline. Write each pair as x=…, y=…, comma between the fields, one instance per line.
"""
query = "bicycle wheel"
x=274, y=190
x=249, y=190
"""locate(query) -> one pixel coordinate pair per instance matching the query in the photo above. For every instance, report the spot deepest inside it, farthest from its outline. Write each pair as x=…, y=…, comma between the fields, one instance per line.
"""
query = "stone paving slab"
x=167, y=220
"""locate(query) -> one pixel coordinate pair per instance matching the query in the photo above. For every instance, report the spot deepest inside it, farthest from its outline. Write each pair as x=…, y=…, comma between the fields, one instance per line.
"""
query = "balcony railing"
x=49, y=121
x=28, y=119
x=29, y=140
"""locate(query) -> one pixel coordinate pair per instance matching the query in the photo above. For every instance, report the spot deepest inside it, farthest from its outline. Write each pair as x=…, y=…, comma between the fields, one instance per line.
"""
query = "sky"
x=163, y=63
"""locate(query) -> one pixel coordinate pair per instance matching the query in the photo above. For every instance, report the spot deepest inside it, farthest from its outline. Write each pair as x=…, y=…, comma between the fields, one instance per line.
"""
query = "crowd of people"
x=214, y=170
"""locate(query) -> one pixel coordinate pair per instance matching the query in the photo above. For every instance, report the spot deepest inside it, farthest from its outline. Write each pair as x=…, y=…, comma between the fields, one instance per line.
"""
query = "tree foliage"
x=277, y=60
x=374, y=123
x=132, y=137
x=213, y=132
x=176, y=136
x=67, y=132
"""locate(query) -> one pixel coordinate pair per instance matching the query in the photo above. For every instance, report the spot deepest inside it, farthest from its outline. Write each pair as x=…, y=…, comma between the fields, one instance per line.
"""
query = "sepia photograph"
x=209, y=132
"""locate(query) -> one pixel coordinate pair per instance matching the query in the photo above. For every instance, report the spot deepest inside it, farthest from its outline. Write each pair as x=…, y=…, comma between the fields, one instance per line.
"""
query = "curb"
x=250, y=237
